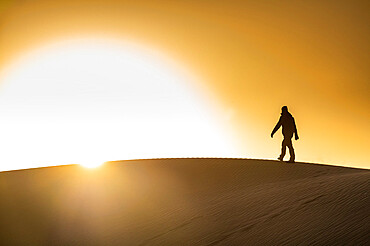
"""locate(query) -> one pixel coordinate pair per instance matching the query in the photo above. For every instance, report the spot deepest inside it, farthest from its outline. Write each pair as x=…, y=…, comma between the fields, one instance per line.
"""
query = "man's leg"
x=291, y=150
x=283, y=150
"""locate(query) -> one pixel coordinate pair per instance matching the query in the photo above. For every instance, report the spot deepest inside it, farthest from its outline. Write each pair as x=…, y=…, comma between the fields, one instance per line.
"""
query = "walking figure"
x=287, y=122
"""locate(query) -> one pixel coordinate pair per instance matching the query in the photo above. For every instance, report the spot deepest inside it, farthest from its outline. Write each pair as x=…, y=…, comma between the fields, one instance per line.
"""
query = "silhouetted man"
x=287, y=121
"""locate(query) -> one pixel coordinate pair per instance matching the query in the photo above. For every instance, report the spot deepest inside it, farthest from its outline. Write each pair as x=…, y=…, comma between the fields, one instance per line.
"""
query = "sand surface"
x=186, y=202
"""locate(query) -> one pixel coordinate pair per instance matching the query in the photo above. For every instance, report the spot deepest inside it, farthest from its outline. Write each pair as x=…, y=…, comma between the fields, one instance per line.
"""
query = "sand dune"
x=186, y=202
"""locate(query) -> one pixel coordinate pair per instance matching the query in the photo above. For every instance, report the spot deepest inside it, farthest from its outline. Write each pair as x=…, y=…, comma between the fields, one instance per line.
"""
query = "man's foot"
x=291, y=161
x=280, y=158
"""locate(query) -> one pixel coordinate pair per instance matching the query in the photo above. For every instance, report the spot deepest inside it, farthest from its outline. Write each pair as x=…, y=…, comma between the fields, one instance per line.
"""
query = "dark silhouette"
x=287, y=122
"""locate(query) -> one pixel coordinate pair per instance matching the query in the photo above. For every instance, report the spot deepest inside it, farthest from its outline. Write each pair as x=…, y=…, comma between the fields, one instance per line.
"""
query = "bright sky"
x=237, y=62
x=89, y=101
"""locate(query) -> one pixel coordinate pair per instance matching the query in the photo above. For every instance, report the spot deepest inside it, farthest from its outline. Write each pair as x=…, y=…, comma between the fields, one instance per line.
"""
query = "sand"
x=186, y=202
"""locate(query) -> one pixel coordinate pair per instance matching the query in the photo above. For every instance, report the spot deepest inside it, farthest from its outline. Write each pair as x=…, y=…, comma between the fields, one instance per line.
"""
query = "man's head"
x=284, y=109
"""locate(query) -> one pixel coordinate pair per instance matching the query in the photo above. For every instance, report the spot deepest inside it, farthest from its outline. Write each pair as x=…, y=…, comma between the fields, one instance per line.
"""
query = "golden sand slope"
x=186, y=202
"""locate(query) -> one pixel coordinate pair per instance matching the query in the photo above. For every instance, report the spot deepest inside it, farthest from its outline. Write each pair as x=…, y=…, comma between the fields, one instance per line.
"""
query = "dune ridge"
x=196, y=201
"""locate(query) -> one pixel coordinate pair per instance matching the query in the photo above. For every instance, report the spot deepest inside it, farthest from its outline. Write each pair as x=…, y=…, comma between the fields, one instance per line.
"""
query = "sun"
x=91, y=101
x=92, y=164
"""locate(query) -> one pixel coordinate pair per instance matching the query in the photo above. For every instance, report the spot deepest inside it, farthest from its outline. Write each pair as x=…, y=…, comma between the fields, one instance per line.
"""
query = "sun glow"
x=92, y=164
x=90, y=102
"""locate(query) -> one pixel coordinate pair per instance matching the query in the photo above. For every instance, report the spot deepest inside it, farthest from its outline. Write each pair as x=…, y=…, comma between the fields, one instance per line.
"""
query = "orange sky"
x=254, y=56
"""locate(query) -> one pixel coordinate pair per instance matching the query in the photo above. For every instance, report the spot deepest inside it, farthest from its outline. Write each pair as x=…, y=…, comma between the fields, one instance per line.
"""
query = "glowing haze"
x=92, y=101
x=243, y=61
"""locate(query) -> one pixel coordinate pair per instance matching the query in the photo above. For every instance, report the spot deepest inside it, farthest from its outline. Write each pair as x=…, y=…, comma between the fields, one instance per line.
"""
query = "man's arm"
x=295, y=130
x=276, y=127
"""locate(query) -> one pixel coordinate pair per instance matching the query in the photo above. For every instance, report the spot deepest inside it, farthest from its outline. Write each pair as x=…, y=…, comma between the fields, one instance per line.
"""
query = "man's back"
x=288, y=124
